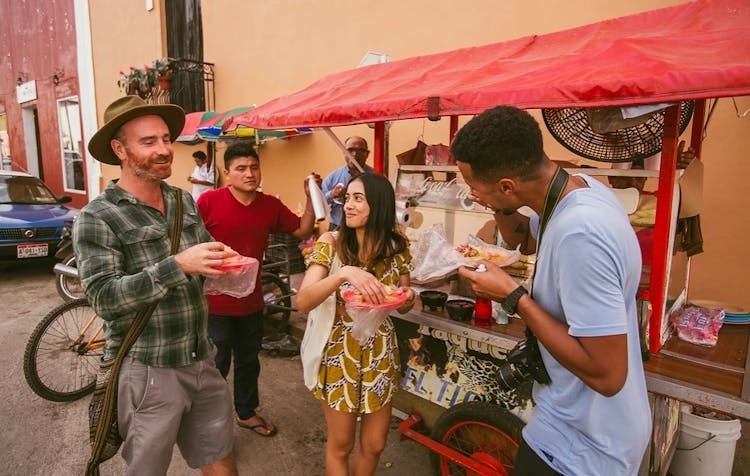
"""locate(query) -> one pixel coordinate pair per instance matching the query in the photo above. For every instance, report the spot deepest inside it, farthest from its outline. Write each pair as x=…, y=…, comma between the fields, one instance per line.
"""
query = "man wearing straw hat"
x=169, y=388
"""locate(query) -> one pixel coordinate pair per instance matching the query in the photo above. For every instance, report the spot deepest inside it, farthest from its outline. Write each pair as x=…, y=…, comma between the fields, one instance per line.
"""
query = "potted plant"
x=130, y=82
x=162, y=68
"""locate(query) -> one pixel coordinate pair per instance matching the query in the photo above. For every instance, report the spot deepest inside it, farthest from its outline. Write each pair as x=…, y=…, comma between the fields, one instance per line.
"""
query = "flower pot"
x=164, y=82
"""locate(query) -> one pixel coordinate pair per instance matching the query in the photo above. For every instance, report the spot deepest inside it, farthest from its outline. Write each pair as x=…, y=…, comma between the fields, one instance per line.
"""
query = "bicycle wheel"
x=482, y=430
x=69, y=288
x=278, y=299
x=58, y=364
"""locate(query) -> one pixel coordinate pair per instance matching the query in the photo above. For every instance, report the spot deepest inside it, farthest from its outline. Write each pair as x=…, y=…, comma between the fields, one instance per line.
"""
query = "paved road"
x=39, y=437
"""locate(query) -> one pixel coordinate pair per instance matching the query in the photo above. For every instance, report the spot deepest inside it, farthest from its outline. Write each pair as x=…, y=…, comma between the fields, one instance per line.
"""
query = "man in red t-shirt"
x=242, y=217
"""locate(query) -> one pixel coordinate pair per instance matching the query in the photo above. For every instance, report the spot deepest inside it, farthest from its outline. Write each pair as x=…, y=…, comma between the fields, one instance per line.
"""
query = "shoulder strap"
x=335, y=263
x=139, y=322
x=177, y=224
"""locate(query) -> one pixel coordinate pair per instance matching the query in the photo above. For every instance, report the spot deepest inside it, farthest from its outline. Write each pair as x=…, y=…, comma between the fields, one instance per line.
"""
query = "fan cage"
x=571, y=128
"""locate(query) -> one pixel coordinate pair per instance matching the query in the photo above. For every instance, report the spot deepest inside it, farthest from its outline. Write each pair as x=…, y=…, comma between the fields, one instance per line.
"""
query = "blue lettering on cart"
x=441, y=393
x=415, y=378
x=448, y=394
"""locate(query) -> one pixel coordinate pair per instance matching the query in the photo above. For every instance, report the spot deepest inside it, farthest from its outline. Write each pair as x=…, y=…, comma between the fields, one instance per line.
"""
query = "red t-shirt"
x=245, y=228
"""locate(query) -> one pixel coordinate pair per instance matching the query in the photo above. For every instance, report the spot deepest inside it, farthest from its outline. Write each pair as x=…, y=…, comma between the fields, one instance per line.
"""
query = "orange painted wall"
x=265, y=49
x=126, y=34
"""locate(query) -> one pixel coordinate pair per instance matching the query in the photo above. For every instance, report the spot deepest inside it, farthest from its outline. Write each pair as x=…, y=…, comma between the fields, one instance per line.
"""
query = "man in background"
x=243, y=217
x=334, y=186
x=203, y=176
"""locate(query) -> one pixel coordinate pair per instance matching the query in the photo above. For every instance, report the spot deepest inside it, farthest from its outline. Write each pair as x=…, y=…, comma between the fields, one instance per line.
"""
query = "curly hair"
x=502, y=141
x=382, y=238
x=239, y=149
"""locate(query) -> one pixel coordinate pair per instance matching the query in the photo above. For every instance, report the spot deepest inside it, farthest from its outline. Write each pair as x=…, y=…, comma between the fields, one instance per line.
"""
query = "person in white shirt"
x=203, y=175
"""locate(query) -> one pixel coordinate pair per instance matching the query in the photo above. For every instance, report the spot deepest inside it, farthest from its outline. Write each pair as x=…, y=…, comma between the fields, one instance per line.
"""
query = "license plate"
x=32, y=250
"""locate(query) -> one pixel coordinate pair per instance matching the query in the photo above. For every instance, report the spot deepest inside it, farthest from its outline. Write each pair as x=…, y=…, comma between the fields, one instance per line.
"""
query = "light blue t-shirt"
x=589, y=266
x=339, y=176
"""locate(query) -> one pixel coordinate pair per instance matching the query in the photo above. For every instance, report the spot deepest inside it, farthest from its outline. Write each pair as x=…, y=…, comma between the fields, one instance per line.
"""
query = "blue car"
x=32, y=219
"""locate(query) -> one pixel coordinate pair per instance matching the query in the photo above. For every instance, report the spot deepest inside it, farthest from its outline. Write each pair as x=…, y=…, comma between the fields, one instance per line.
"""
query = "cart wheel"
x=485, y=431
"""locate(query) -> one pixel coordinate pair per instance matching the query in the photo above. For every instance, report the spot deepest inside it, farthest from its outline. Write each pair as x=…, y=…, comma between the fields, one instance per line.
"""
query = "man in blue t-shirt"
x=334, y=186
x=594, y=417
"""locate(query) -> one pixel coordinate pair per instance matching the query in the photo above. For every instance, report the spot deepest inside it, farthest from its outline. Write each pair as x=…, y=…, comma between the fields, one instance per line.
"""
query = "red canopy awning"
x=694, y=50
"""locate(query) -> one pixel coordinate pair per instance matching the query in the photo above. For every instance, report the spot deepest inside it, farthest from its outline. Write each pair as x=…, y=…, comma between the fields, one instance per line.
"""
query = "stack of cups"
x=320, y=205
x=403, y=214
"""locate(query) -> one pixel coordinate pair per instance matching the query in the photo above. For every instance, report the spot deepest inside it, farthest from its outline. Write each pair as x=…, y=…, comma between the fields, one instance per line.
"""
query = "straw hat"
x=125, y=109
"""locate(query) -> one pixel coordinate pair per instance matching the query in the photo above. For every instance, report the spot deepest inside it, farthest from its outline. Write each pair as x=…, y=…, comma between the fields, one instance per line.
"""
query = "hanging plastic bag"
x=367, y=317
x=433, y=257
x=239, y=278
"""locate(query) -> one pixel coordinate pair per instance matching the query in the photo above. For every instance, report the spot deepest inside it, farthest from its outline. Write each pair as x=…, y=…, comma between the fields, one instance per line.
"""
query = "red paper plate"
x=235, y=263
x=351, y=297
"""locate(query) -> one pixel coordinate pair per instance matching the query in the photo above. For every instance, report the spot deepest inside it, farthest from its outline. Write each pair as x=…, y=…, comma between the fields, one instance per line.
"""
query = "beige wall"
x=265, y=49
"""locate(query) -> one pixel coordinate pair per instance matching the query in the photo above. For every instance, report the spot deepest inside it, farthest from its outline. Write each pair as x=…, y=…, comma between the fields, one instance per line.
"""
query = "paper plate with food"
x=394, y=298
x=235, y=261
x=476, y=250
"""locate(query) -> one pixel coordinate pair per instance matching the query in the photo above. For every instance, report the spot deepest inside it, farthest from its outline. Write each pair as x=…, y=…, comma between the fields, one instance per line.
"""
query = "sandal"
x=258, y=427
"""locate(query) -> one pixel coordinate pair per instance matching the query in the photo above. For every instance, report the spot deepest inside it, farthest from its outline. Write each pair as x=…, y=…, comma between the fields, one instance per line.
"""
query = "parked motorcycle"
x=66, y=274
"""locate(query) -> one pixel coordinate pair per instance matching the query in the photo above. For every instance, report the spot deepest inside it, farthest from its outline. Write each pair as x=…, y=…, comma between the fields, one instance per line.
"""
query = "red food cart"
x=690, y=52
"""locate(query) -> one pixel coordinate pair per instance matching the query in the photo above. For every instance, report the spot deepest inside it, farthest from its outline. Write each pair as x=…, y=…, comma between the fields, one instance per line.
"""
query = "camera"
x=524, y=361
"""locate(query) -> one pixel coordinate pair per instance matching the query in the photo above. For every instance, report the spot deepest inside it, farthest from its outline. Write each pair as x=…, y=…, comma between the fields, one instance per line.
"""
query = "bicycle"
x=62, y=355
x=63, y=352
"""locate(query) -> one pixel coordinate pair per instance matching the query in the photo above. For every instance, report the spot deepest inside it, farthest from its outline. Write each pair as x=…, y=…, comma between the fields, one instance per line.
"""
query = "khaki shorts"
x=158, y=407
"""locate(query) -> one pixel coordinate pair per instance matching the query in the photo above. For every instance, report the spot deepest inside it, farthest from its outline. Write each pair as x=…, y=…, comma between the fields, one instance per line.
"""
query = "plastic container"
x=238, y=279
x=483, y=312
x=433, y=300
x=705, y=446
x=460, y=309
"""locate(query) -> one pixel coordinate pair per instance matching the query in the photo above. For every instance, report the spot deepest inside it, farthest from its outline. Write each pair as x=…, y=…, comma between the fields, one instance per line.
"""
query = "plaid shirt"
x=123, y=256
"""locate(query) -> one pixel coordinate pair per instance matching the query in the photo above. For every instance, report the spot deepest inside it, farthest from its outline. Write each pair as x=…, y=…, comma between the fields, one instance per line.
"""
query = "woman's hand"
x=368, y=285
x=411, y=296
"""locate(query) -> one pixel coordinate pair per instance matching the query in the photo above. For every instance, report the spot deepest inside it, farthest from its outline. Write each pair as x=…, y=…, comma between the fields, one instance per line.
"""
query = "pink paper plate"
x=237, y=263
x=351, y=297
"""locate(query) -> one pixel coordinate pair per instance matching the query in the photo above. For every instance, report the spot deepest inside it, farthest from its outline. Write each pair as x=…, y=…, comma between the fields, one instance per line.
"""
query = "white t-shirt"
x=589, y=266
x=202, y=172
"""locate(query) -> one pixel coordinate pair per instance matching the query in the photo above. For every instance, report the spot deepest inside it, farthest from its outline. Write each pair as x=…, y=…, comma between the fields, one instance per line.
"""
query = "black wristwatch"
x=510, y=304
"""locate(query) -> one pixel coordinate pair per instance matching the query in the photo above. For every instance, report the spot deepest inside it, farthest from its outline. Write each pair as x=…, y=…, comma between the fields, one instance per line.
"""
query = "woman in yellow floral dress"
x=359, y=379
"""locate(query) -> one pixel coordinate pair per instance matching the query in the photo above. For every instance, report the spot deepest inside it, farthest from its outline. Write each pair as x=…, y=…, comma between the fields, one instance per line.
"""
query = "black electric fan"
x=591, y=135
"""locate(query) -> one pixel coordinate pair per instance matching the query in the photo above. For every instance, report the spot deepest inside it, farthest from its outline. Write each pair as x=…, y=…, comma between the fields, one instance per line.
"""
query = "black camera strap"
x=554, y=194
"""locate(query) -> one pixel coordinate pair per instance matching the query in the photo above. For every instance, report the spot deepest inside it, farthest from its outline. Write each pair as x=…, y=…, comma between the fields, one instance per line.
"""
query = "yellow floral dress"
x=357, y=378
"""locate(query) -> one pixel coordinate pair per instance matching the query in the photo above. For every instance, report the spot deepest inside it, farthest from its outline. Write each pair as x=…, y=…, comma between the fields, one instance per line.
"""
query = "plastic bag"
x=237, y=281
x=698, y=325
x=433, y=256
x=368, y=317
